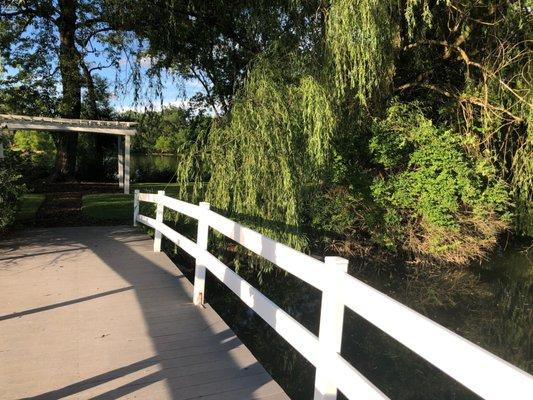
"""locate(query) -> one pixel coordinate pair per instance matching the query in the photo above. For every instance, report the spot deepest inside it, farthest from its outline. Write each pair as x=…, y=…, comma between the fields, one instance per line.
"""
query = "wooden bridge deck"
x=94, y=313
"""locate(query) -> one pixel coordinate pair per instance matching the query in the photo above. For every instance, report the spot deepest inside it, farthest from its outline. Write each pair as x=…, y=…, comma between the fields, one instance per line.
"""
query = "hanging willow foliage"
x=522, y=184
x=360, y=39
x=270, y=153
x=371, y=122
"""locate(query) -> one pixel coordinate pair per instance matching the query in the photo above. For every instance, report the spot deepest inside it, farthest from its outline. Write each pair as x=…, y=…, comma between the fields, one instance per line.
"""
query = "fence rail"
x=482, y=372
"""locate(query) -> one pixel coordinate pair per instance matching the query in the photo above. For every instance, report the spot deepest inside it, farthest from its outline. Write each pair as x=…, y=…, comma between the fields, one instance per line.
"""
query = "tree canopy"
x=406, y=126
x=345, y=124
x=50, y=52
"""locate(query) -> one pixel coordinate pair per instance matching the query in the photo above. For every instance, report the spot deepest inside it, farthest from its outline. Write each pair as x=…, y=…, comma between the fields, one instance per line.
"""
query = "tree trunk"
x=92, y=113
x=70, y=106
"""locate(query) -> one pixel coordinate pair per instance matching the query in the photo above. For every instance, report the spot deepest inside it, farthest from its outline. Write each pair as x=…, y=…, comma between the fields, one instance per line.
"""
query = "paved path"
x=93, y=312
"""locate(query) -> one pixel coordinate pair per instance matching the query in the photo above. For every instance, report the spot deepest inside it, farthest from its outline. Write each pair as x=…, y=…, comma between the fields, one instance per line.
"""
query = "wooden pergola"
x=122, y=129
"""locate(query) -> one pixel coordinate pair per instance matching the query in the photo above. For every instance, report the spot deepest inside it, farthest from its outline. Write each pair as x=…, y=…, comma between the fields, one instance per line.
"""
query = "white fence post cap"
x=339, y=263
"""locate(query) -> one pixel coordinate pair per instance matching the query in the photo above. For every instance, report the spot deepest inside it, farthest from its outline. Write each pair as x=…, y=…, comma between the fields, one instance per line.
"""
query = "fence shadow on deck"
x=195, y=353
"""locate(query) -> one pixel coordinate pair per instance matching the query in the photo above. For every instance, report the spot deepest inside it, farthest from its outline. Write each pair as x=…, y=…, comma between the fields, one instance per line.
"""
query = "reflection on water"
x=153, y=168
x=499, y=318
x=143, y=168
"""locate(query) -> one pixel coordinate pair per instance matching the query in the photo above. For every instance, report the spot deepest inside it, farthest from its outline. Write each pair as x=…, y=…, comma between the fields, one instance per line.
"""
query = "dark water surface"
x=153, y=168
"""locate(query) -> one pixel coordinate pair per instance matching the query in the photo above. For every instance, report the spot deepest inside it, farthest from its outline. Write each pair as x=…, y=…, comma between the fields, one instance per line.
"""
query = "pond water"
x=153, y=168
x=143, y=168
x=492, y=308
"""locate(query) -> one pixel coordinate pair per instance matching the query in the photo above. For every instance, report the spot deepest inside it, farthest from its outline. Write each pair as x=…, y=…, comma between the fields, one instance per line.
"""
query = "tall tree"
x=212, y=41
x=69, y=66
x=59, y=37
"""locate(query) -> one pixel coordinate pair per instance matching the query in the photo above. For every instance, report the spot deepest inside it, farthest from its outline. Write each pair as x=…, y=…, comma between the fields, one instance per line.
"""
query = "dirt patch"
x=63, y=202
x=82, y=187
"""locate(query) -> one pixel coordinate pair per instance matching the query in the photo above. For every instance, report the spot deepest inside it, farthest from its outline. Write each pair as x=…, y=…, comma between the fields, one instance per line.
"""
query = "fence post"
x=330, y=332
x=135, y=206
x=159, y=218
x=201, y=240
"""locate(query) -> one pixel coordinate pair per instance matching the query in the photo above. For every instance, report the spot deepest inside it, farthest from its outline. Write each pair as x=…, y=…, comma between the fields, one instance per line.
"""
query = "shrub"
x=435, y=198
x=33, y=142
x=11, y=189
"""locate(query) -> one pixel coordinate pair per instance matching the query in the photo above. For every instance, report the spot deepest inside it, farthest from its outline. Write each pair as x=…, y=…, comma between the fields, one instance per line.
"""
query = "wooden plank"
x=444, y=349
x=330, y=330
x=191, y=210
x=451, y=353
x=160, y=210
x=298, y=264
x=93, y=313
x=14, y=117
x=148, y=197
x=342, y=374
x=291, y=330
x=202, y=238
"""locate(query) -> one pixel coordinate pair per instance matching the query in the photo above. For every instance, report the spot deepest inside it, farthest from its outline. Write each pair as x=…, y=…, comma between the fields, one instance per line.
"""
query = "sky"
x=175, y=91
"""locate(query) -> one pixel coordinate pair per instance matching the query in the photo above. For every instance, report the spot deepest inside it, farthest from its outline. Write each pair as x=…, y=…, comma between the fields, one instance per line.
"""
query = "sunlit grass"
x=116, y=207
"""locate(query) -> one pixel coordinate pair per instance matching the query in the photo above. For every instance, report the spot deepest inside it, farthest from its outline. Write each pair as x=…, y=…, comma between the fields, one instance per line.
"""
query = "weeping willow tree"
x=271, y=154
x=405, y=125
x=274, y=152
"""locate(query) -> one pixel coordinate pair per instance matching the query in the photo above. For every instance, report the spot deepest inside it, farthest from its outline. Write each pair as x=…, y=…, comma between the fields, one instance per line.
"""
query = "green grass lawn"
x=29, y=204
x=118, y=207
x=115, y=207
x=154, y=186
x=150, y=187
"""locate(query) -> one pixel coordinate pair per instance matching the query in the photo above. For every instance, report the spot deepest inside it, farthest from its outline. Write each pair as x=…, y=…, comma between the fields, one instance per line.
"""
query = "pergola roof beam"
x=15, y=122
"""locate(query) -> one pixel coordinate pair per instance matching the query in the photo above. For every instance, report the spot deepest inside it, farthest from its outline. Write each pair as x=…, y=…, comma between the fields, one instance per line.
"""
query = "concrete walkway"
x=93, y=312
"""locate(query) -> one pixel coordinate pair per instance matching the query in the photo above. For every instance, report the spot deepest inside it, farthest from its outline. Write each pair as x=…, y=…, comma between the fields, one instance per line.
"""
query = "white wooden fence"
x=482, y=372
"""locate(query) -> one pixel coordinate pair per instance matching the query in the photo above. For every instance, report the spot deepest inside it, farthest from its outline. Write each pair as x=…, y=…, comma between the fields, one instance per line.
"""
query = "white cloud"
x=157, y=106
x=144, y=62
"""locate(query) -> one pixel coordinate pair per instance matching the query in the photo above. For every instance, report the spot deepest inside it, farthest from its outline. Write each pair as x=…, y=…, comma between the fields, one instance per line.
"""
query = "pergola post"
x=120, y=162
x=127, y=165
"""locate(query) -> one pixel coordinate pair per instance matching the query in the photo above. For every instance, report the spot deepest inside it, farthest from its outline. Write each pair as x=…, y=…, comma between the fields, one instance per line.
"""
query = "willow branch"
x=461, y=99
x=205, y=85
x=466, y=59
